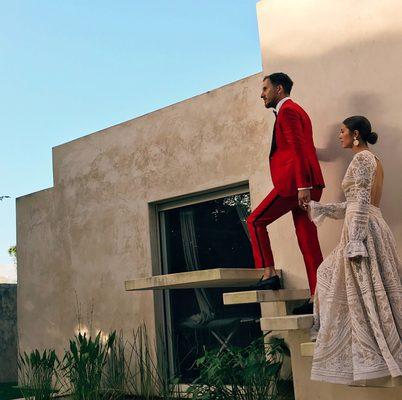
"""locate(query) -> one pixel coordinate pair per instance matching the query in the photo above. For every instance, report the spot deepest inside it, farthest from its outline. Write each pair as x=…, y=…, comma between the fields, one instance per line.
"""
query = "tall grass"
x=117, y=368
x=115, y=375
x=148, y=372
x=38, y=374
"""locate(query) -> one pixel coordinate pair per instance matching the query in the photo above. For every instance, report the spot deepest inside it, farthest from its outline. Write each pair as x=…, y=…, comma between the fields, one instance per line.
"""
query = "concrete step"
x=307, y=350
x=207, y=278
x=286, y=323
x=261, y=296
x=386, y=382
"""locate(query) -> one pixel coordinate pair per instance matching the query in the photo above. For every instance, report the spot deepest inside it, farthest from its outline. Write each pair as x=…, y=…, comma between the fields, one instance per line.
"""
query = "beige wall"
x=345, y=58
x=90, y=232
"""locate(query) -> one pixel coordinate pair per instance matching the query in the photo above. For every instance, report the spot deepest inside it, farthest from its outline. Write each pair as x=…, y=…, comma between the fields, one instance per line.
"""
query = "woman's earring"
x=356, y=142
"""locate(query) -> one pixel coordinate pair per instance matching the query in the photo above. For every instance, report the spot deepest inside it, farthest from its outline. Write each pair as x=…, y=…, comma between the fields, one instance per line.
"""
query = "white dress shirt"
x=279, y=105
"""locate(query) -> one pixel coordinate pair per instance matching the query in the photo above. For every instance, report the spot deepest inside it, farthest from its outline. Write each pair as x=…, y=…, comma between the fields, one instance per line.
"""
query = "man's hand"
x=304, y=198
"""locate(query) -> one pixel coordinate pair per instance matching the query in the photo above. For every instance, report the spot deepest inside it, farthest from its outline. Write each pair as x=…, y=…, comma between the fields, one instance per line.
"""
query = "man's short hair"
x=279, y=78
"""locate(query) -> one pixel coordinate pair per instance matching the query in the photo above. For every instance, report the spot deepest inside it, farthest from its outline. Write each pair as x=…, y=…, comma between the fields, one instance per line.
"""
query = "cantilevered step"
x=217, y=277
x=386, y=382
x=307, y=349
x=261, y=296
x=286, y=323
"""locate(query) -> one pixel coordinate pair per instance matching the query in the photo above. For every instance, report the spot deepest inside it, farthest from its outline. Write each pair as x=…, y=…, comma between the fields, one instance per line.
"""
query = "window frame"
x=162, y=307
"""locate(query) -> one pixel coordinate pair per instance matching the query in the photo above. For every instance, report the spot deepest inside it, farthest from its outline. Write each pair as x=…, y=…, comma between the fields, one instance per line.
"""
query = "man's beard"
x=271, y=104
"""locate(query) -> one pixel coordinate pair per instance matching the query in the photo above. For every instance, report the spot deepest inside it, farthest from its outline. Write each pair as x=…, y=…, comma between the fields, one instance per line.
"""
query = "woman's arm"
x=318, y=212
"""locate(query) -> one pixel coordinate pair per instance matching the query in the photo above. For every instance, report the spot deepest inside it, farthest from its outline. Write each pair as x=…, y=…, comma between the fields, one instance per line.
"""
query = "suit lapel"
x=287, y=103
x=273, y=141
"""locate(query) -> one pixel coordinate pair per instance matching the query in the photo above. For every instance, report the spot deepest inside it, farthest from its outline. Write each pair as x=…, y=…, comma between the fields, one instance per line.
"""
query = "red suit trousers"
x=269, y=210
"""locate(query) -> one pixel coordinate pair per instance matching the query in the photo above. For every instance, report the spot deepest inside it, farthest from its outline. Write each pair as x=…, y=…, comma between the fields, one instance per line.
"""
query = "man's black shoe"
x=306, y=308
x=272, y=283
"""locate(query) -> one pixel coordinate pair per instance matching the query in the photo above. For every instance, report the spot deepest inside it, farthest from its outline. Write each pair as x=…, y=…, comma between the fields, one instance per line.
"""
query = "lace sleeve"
x=318, y=212
x=362, y=167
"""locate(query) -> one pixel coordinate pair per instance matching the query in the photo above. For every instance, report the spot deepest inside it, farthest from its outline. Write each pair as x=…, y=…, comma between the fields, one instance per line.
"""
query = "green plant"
x=12, y=252
x=250, y=373
x=84, y=363
x=148, y=371
x=114, y=381
x=38, y=374
x=93, y=369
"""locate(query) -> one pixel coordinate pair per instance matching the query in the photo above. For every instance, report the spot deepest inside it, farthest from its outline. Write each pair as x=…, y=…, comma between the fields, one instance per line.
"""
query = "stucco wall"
x=85, y=236
x=8, y=332
x=90, y=232
x=345, y=58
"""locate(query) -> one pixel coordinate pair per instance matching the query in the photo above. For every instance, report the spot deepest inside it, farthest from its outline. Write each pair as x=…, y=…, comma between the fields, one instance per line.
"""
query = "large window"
x=203, y=235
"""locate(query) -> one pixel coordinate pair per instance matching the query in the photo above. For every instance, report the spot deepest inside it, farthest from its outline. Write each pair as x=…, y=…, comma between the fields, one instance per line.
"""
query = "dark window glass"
x=211, y=234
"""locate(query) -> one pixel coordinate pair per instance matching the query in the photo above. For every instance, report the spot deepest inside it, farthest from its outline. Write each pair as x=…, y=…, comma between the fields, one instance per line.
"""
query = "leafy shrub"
x=250, y=373
x=84, y=363
x=38, y=374
x=93, y=369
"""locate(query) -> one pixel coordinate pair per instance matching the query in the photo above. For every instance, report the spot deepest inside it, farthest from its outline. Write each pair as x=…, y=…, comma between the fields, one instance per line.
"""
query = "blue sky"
x=69, y=68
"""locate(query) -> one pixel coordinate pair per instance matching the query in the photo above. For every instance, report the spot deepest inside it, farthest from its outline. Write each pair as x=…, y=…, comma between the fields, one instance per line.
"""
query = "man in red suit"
x=297, y=178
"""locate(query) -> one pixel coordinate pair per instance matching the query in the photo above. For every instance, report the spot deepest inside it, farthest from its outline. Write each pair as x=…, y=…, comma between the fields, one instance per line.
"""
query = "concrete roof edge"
x=154, y=111
x=33, y=193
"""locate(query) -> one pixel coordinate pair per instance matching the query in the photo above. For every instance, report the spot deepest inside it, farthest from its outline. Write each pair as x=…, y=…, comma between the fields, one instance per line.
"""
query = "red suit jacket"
x=293, y=159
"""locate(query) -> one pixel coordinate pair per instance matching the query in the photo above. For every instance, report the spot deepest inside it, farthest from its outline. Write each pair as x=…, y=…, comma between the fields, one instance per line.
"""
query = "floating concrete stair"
x=261, y=296
x=386, y=382
x=286, y=323
x=307, y=349
x=208, y=278
x=275, y=318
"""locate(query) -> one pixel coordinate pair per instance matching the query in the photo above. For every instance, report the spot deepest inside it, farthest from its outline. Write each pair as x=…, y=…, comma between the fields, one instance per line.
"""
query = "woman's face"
x=346, y=137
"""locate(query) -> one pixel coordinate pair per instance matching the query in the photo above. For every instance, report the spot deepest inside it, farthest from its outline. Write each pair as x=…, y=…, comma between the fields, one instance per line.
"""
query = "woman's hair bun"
x=361, y=124
x=372, y=138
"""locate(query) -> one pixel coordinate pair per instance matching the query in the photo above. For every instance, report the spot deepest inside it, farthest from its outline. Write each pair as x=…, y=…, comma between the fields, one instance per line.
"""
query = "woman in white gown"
x=358, y=301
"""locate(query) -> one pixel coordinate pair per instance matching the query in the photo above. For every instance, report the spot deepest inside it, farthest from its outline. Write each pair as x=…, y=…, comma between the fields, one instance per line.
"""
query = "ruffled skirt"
x=358, y=309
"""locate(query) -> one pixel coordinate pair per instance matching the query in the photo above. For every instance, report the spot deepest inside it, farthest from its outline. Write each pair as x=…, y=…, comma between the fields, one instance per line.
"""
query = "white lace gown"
x=358, y=305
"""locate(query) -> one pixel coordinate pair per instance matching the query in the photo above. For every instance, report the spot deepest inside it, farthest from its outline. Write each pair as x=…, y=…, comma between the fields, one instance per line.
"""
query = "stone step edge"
x=262, y=296
x=307, y=349
x=287, y=323
x=213, y=277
